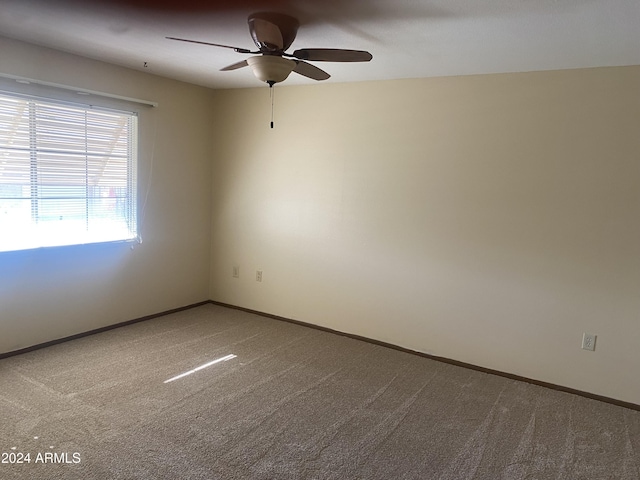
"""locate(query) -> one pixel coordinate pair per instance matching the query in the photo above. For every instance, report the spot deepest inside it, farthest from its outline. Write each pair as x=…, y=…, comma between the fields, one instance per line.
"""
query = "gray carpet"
x=294, y=403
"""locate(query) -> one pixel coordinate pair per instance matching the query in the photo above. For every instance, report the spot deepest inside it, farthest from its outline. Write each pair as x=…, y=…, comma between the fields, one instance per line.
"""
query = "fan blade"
x=265, y=34
x=332, y=55
x=235, y=66
x=311, y=71
x=237, y=49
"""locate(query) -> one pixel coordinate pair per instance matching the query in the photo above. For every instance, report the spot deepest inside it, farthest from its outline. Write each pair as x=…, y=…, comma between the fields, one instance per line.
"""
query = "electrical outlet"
x=236, y=271
x=258, y=275
x=589, y=341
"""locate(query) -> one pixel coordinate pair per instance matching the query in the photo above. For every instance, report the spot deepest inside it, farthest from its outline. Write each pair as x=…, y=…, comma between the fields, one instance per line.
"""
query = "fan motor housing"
x=286, y=25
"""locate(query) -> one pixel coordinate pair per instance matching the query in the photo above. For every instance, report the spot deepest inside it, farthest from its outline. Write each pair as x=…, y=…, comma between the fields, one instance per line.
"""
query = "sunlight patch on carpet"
x=201, y=367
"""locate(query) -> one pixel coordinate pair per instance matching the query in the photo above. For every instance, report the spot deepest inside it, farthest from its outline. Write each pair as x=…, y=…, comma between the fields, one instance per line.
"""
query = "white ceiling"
x=408, y=38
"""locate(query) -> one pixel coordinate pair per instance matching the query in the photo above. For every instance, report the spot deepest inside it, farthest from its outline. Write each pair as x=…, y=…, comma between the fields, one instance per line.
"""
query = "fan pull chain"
x=272, y=93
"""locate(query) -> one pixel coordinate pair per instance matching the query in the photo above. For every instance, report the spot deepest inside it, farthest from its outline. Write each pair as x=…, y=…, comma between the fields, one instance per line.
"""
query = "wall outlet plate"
x=589, y=341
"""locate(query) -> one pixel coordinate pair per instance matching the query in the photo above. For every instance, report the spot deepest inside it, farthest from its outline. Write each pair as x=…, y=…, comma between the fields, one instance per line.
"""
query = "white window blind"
x=67, y=174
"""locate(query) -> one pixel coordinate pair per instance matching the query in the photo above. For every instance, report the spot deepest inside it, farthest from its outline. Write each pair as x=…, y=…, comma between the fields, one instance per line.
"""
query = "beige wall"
x=488, y=219
x=52, y=293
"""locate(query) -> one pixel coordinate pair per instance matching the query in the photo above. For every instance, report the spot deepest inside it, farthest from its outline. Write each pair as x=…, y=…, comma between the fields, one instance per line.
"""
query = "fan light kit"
x=271, y=69
x=273, y=33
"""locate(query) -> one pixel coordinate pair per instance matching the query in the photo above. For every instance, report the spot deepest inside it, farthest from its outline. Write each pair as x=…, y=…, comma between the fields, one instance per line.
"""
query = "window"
x=67, y=173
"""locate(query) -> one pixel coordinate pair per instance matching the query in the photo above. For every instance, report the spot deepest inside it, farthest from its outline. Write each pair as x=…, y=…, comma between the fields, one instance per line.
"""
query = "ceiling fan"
x=273, y=33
